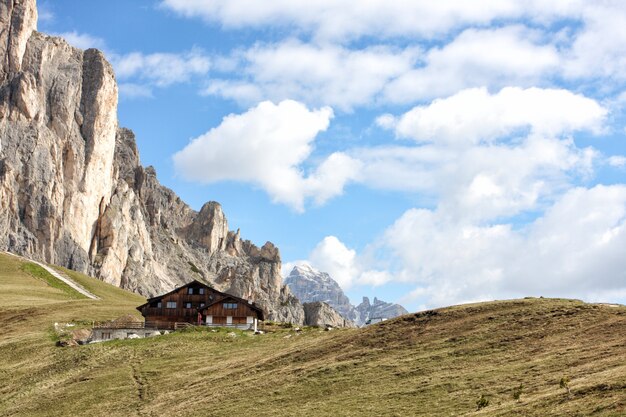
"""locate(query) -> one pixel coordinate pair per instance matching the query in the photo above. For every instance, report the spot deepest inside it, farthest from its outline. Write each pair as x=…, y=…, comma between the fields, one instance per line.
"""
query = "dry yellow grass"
x=431, y=364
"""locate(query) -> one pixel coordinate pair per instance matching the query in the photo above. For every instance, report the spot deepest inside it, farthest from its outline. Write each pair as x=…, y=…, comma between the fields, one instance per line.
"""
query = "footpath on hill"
x=59, y=276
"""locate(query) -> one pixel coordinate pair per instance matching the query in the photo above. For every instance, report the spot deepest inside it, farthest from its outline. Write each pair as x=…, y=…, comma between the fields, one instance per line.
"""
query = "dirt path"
x=60, y=276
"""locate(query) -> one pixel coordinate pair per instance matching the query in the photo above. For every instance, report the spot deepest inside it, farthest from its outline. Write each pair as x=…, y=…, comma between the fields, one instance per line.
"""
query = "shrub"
x=564, y=383
x=517, y=392
x=482, y=402
x=194, y=268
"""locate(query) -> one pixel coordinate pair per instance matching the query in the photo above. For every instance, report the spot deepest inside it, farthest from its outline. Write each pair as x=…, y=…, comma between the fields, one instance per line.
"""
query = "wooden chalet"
x=197, y=303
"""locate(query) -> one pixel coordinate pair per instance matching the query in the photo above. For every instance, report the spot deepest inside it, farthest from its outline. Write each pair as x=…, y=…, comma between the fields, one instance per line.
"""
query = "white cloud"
x=266, y=146
x=342, y=263
x=131, y=90
x=617, y=161
x=599, y=49
x=473, y=116
x=319, y=75
x=343, y=77
x=467, y=167
x=269, y=146
x=478, y=182
x=340, y=19
x=161, y=69
x=332, y=256
x=574, y=249
x=512, y=55
x=45, y=13
x=82, y=40
x=522, y=48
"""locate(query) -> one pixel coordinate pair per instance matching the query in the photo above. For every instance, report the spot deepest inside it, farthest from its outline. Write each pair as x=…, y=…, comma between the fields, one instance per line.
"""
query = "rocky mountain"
x=311, y=285
x=74, y=193
x=378, y=310
x=320, y=314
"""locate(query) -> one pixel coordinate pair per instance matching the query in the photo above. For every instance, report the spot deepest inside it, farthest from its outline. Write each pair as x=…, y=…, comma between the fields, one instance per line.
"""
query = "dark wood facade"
x=197, y=303
x=219, y=312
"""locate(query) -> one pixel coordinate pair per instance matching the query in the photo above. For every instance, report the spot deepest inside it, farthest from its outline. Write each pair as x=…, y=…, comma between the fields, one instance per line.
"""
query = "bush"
x=482, y=402
x=194, y=268
x=564, y=383
x=517, y=392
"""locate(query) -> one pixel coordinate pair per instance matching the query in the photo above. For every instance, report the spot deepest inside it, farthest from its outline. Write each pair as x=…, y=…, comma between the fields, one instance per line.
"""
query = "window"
x=230, y=306
x=201, y=291
x=159, y=305
x=106, y=335
x=201, y=305
x=187, y=305
x=189, y=290
x=171, y=304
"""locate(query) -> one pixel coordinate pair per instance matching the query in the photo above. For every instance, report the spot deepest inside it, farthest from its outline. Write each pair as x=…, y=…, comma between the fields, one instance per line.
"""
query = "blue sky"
x=428, y=153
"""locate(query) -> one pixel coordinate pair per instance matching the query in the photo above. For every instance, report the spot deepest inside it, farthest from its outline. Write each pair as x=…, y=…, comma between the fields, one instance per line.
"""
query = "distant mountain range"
x=309, y=285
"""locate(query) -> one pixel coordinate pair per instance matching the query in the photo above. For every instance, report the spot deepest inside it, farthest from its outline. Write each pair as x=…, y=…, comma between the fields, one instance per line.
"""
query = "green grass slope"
x=433, y=364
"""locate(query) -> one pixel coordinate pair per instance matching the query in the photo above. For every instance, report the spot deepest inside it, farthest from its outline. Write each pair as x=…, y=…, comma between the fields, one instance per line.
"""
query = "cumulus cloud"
x=343, y=264
x=462, y=164
x=131, y=90
x=349, y=77
x=161, y=69
x=479, y=182
x=332, y=256
x=317, y=74
x=513, y=55
x=575, y=248
x=491, y=45
x=340, y=20
x=266, y=146
x=599, y=49
x=617, y=161
x=474, y=115
x=82, y=40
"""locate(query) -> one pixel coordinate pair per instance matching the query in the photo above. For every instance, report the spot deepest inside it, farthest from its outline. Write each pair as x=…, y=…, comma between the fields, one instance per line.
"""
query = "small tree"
x=517, y=392
x=482, y=402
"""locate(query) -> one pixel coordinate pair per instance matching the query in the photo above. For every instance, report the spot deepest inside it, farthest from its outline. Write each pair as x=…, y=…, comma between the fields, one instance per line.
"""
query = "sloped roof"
x=194, y=282
x=202, y=284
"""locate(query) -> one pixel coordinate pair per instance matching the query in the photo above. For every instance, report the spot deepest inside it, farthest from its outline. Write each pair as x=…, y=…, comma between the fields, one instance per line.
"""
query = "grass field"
x=436, y=363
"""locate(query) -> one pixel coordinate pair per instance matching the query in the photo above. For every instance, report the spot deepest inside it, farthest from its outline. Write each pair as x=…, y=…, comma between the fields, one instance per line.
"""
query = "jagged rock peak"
x=210, y=227
x=311, y=285
x=18, y=20
x=379, y=310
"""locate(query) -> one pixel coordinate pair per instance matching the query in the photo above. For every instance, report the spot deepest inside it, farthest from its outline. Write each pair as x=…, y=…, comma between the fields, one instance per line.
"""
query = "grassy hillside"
x=437, y=363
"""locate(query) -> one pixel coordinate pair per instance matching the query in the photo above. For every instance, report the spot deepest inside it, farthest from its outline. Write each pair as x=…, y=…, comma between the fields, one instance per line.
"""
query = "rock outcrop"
x=378, y=310
x=321, y=314
x=311, y=285
x=74, y=193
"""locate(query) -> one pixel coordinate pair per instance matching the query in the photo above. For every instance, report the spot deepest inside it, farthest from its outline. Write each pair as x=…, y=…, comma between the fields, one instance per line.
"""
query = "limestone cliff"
x=74, y=193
